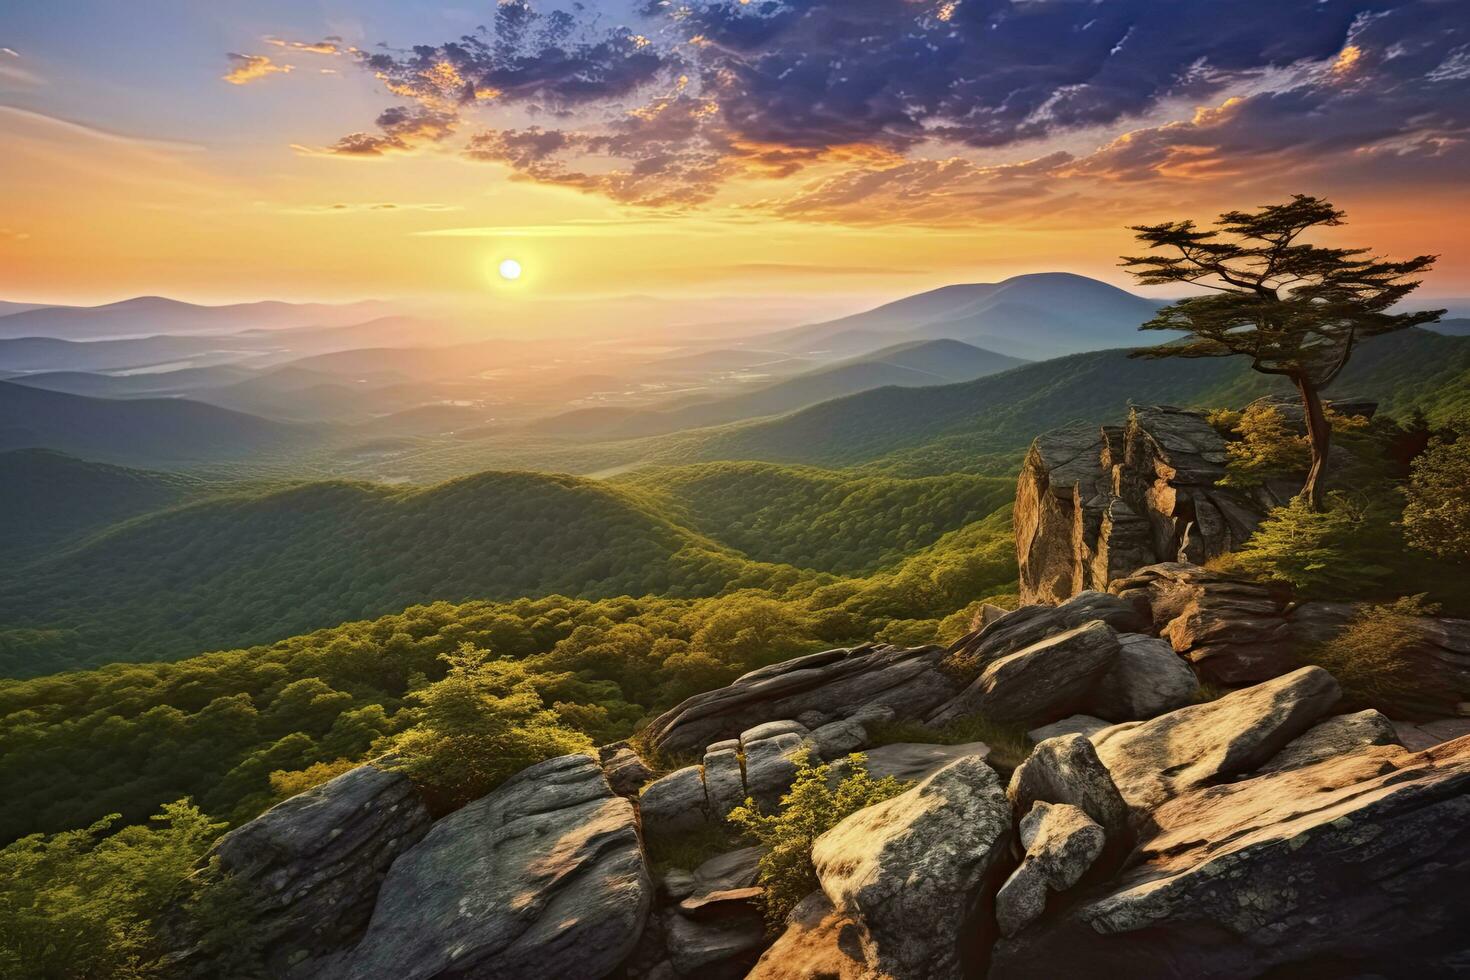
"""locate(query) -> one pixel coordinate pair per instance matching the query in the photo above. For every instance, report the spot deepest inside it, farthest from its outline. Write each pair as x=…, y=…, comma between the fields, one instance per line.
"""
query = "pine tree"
x=1295, y=309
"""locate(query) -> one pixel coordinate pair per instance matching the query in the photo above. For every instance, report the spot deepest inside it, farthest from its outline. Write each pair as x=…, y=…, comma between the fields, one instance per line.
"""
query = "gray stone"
x=1061, y=844
x=1071, y=725
x=1040, y=683
x=307, y=871
x=676, y=883
x=1335, y=736
x=1152, y=761
x=1030, y=625
x=542, y=877
x=1356, y=866
x=724, y=781
x=675, y=803
x=813, y=719
x=771, y=729
x=626, y=772
x=1148, y=678
x=916, y=871
x=1066, y=769
x=714, y=946
x=770, y=765
x=838, y=738
x=731, y=870
x=834, y=684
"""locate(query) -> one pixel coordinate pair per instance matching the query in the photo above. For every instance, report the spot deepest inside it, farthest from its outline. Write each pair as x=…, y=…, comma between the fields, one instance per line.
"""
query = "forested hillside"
x=959, y=427
x=256, y=566
x=128, y=737
x=821, y=519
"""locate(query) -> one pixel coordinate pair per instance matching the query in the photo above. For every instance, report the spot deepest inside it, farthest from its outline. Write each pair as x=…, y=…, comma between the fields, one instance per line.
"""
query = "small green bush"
x=1437, y=516
x=81, y=903
x=813, y=806
x=1335, y=552
x=481, y=724
x=1367, y=656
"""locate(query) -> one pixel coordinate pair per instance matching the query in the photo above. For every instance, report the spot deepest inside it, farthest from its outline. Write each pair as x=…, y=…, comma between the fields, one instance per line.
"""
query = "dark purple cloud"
x=665, y=110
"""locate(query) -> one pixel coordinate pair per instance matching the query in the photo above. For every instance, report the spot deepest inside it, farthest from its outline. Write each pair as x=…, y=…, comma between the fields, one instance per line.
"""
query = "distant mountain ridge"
x=908, y=365
x=1032, y=316
x=161, y=431
x=150, y=315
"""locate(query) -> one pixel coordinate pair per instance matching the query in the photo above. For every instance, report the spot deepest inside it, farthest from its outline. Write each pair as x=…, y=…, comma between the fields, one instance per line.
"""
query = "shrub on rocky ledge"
x=813, y=806
x=1368, y=656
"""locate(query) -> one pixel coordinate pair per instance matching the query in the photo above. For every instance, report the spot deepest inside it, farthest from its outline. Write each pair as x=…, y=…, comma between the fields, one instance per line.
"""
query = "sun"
x=510, y=270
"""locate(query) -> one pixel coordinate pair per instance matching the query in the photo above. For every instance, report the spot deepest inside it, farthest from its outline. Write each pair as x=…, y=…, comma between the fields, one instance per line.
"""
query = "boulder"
x=827, y=686
x=1358, y=866
x=1043, y=682
x=675, y=803
x=916, y=872
x=818, y=943
x=771, y=729
x=1066, y=770
x=718, y=944
x=1070, y=725
x=626, y=772
x=1153, y=761
x=770, y=766
x=1061, y=844
x=836, y=739
x=306, y=872
x=1148, y=678
x=542, y=877
x=1335, y=736
x=724, y=872
x=724, y=779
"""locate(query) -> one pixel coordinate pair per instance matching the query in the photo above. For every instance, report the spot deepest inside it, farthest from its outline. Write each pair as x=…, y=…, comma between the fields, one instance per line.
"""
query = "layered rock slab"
x=307, y=871
x=1153, y=761
x=1358, y=865
x=818, y=688
x=542, y=877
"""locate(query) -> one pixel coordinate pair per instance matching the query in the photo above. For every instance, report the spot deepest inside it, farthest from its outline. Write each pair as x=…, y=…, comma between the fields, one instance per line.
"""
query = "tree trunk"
x=1319, y=434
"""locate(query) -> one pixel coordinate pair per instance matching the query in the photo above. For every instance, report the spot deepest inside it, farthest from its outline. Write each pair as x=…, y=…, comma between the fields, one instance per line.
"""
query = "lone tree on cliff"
x=1295, y=309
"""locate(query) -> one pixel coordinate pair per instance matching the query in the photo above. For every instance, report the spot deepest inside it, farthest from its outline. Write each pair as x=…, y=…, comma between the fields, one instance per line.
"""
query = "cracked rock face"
x=542, y=877
x=1357, y=865
x=1094, y=504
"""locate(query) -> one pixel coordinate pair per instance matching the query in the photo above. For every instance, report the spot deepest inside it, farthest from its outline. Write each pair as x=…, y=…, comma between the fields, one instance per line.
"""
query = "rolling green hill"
x=819, y=519
x=251, y=568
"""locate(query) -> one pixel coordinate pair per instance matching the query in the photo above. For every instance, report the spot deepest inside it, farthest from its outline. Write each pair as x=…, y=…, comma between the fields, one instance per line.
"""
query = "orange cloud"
x=247, y=68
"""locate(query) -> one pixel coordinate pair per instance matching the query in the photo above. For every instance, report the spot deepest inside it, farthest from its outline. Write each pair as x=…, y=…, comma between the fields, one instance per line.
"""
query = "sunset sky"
x=843, y=150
